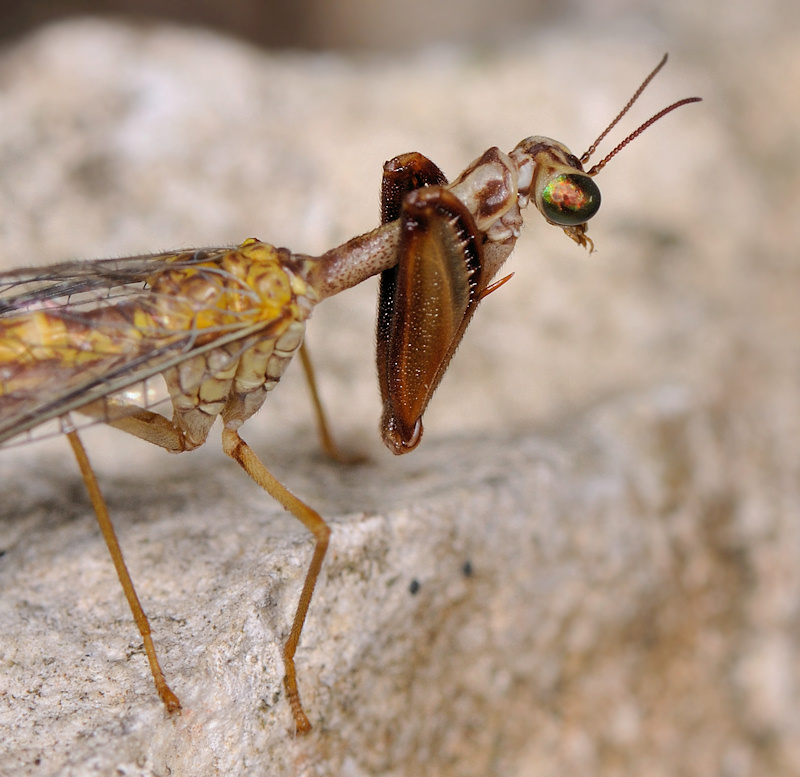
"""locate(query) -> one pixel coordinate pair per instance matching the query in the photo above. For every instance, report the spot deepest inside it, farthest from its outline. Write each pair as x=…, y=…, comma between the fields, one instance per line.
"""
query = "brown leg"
x=144, y=424
x=402, y=175
x=240, y=451
x=329, y=447
x=106, y=527
x=163, y=432
x=424, y=306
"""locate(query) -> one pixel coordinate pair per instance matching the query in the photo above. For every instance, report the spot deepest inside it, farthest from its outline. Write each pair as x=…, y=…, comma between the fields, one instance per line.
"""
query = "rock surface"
x=590, y=565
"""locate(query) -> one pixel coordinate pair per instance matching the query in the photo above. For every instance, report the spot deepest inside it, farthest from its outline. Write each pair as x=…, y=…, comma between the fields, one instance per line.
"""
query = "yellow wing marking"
x=68, y=352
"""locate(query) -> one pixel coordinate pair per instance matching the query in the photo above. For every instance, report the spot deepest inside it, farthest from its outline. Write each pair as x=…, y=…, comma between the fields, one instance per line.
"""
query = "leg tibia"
x=240, y=451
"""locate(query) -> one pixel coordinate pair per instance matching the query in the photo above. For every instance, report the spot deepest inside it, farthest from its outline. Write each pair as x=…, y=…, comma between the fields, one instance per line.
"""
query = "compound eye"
x=570, y=199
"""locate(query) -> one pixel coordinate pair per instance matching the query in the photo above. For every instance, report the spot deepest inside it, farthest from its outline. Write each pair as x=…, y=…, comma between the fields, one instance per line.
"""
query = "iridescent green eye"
x=570, y=199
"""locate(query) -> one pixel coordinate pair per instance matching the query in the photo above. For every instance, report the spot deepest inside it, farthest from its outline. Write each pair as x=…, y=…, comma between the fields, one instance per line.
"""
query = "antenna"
x=652, y=120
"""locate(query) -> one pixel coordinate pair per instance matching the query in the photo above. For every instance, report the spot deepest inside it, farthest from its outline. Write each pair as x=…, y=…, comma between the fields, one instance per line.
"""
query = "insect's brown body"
x=191, y=302
x=84, y=342
x=209, y=320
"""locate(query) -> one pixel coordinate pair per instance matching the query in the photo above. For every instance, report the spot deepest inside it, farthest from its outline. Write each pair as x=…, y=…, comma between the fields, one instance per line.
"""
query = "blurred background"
x=312, y=24
x=394, y=26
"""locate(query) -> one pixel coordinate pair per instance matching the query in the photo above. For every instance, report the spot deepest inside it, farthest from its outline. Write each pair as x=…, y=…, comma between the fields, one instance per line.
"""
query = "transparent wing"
x=76, y=332
x=28, y=287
